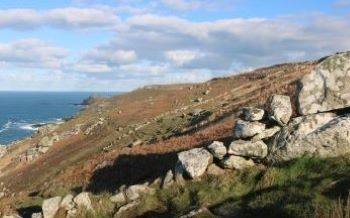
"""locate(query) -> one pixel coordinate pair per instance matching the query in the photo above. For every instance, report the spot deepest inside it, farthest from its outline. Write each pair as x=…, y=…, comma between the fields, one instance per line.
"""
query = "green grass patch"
x=307, y=187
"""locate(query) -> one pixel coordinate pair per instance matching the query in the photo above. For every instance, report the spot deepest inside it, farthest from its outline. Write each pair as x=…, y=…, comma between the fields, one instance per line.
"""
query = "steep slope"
x=134, y=138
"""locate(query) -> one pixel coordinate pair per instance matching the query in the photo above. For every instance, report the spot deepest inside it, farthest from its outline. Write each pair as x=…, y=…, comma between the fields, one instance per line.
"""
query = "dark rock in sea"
x=38, y=125
x=89, y=101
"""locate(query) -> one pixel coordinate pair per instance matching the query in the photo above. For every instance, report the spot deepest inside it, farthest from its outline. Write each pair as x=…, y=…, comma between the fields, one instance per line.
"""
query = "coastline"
x=43, y=109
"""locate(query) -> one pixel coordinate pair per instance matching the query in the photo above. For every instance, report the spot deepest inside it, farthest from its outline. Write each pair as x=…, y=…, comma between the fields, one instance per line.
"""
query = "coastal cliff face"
x=192, y=149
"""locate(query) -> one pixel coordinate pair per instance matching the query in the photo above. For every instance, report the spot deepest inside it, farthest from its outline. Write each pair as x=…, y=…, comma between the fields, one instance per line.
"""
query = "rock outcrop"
x=329, y=140
x=278, y=137
x=327, y=87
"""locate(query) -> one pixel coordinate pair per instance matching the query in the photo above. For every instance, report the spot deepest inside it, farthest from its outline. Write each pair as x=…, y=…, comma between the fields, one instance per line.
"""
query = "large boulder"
x=195, y=161
x=236, y=162
x=251, y=114
x=217, y=149
x=253, y=149
x=245, y=129
x=51, y=206
x=327, y=87
x=279, y=109
x=328, y=137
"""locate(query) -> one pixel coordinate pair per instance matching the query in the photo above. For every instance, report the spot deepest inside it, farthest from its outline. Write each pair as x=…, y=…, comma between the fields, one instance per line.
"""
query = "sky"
x=110, y=45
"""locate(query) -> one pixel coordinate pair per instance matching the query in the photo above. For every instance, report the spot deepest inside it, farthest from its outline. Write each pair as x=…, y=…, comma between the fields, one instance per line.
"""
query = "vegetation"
x=306, y=187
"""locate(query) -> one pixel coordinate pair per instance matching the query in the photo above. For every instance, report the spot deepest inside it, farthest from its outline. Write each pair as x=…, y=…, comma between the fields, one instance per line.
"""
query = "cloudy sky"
x=111, y=45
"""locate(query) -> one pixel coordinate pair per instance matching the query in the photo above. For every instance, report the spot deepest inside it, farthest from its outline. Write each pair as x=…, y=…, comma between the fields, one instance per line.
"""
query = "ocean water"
x=19, y=111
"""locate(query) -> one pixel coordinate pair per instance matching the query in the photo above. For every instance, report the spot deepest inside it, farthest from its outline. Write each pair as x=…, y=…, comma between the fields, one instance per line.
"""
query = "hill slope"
x=134, y=138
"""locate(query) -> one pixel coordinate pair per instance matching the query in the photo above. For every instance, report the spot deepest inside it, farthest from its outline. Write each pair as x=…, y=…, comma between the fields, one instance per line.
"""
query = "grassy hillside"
x=166, y=119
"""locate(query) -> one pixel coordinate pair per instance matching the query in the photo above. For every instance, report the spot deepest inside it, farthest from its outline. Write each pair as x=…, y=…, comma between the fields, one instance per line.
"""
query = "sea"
x=21, y=112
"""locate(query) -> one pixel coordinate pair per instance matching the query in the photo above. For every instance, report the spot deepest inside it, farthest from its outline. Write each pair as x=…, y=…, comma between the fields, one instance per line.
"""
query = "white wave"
x=35, y=126
x=27, y=126
x=6, y=126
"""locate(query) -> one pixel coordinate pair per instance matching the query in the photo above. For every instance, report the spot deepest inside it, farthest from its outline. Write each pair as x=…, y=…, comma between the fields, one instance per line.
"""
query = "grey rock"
x=43, y=150
x=279, y=109
x=37, y=215
x=327, y=86
x=217, y=149
x=83, y=200
x=67, y=202
x=47, y=129
x=122, y=210
x=195, y=161
x=118, y=198
x=251, y=114
x=45, y=142
x=50, y=206
x=236, y=162
x=267, y=133
x=72, y=213
x=196, y=213
x=3, y=150
x=215, y=170
x=134, y=192
x=328, y=137
x=245, y=129
x=257, y=149
x=168, y=179
x=135, y=143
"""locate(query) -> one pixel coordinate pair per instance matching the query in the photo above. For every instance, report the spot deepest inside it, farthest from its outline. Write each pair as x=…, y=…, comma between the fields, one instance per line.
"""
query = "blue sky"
x=95, y=45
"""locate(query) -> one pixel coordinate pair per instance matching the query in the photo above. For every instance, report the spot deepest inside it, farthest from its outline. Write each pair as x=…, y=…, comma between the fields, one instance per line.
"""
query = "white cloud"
x=65, y=18
x=32, y=53
x=111, y=56
x=104, y=60
x=144, y=70
x=168, y=45
x=92, y=68
x=19, y=19
x=151, y=48
x=182, y=5
x=342, y=3
x=181, y=57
